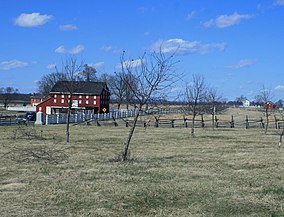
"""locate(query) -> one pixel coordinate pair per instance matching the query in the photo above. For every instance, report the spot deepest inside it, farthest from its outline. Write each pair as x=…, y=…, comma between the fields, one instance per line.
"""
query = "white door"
x=48, y=110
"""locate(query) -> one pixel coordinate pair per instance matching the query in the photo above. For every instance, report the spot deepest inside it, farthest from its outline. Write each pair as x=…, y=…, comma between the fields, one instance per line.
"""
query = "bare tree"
x=195, y=98
x=153, y=74
x=213, y=102
x=264, y=98
x=89, y=73
x=48, y=81
x=7, y=94
x=71, y=70
x=118, y=88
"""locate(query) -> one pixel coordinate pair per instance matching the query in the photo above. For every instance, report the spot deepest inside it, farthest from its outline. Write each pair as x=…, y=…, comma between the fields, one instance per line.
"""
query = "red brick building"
x=269, y=105
x=35, y=99
x=85, y=95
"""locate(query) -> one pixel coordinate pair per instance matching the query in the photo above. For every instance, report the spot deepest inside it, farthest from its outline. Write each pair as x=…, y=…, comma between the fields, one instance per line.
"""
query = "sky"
x=238, y=46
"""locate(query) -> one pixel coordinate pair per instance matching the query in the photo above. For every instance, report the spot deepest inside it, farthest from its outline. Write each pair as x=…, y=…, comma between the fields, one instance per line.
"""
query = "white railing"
x=83, y=117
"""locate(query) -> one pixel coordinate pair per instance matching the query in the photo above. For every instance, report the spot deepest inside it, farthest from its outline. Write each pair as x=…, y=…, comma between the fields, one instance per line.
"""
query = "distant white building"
x=246, y=103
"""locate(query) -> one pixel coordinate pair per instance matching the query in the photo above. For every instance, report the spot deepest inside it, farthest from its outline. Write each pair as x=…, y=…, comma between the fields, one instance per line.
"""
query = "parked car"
x=31, y=116
x=21, y=120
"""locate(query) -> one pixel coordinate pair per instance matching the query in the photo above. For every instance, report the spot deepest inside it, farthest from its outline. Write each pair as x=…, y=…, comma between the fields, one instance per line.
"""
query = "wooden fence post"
x=232, y=123
x=261, y=123
x=247, y=122
x=185, y=122
x=276, y=122
x=216, y=122
x=202, y=121
x=173, y=124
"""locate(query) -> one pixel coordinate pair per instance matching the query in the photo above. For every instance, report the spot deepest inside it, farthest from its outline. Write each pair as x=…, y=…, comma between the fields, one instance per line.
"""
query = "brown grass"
x=226, y=172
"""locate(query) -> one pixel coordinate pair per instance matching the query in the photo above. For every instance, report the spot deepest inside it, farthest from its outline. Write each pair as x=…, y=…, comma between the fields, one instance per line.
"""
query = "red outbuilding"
x=84, y=95
x=269, y=105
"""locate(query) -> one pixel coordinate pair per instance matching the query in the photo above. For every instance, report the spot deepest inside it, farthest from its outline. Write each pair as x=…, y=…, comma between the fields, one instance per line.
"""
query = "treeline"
x=10, y=95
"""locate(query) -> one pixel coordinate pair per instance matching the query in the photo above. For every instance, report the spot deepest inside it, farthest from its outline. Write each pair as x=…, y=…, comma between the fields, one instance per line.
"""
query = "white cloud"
x=111, y=49
x=97, y=65
x=68, y=27
x=75, y=50
x=279, y=87
x=279, y=2
x=51, y=66
x=147, y=33
x=130, y=63
x=242, y=64
x=190, y=15
x=12, y=64
x=32, y=20
x=224, y=21
x=183, y=47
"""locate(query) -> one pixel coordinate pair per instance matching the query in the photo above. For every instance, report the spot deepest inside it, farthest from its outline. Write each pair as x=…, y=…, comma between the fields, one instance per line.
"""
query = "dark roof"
x=79, y=87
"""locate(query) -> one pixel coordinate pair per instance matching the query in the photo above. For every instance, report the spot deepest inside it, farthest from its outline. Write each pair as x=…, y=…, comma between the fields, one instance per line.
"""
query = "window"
x=80, y=96
x=87, y=97
x=95, y=102
x=55, y=95
x=54, y=100
x=62, y=101
x=62, y=96
x=95, y=97
x=80, y=101
x=87, y=101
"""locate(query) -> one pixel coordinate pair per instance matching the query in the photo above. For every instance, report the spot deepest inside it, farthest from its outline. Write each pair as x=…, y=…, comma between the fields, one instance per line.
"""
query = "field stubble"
x=226, y=172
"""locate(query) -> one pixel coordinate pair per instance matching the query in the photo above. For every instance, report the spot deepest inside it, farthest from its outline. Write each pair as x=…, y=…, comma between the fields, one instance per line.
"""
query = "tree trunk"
x=68, y=125
x=193, y=125
x=267, y=120
x=213, y=118
x=131, y=132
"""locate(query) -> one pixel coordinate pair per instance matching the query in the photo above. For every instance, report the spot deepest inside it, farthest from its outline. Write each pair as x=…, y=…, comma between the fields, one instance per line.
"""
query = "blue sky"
x=238, y=46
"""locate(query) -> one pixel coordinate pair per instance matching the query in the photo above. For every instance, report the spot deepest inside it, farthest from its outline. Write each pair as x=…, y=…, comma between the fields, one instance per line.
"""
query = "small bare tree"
x=264, y=97
x=151, y=75
x=213, y=103
x=71, y=70
x=195, y=98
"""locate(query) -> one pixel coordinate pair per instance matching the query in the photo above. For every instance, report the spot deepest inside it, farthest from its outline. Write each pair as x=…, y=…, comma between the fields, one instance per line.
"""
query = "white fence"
x=83, y=117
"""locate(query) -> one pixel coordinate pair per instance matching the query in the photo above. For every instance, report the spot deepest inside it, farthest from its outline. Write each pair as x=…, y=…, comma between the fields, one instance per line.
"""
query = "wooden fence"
x=200, y=122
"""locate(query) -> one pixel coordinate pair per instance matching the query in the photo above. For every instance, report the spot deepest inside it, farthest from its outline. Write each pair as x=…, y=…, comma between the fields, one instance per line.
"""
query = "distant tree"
x=89, y=73
x=195, y=98
x=240, y=100
x=48, y=81
x=150, y=77
x=265, y=96
x=118, y=88
x=279, y=103
x=7, y=94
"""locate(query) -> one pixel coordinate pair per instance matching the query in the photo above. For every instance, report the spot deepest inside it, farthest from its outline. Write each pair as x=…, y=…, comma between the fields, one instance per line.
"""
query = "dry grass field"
x=226, y=172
